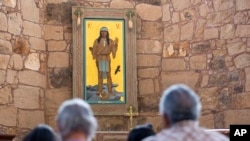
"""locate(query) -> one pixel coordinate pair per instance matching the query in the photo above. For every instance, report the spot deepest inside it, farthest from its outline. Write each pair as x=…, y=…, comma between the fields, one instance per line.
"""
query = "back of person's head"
x=140, y=132
x=41, y=133
x=179, y=103
x=75, y=115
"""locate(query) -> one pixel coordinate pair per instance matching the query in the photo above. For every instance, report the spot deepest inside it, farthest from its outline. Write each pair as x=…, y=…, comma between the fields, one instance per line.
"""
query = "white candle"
x=130, y=24
x=78, y=20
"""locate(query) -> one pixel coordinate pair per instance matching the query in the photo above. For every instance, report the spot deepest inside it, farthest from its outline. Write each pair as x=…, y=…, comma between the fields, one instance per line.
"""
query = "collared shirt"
x=187, y=131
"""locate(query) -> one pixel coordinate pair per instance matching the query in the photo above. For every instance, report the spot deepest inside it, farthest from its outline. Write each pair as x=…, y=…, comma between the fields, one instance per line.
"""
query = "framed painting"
x=104, y=59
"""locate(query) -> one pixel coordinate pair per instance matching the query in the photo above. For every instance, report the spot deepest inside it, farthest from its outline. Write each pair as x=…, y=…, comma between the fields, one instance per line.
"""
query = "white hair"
x=76, y=115
x=179, y=102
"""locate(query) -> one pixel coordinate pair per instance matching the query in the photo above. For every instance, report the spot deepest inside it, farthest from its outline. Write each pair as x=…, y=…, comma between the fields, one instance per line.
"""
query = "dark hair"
x=141, y=132
x=100, y=36
x=41, y=133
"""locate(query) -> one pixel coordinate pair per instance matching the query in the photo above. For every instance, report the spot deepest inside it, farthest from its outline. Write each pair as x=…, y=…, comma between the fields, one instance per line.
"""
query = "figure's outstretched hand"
x=91, y=50
x=114, y=49
x=116, y=40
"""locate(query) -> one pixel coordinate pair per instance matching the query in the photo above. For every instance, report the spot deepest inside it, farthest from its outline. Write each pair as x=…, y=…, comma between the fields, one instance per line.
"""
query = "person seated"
x=75, y=121
x=180, y=108
x=42, y=132
x=140, y=132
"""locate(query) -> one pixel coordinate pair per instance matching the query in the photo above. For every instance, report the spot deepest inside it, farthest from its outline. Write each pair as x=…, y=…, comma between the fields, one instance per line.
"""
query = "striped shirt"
x=187, y=131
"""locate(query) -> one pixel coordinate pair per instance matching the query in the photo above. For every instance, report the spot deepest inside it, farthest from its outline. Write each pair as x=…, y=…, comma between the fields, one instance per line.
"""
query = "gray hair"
x=76, y=115
x=179, y=102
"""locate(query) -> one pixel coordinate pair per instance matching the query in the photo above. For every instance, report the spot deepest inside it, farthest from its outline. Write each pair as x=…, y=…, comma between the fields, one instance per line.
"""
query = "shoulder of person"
x=216, y=134
x=150, y=138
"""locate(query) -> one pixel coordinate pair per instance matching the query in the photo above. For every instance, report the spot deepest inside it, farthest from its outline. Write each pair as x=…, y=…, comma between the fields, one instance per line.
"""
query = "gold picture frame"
x=120, y=24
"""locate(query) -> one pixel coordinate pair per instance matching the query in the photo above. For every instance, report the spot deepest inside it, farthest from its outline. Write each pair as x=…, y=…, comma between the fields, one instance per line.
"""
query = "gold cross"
x=131, y=113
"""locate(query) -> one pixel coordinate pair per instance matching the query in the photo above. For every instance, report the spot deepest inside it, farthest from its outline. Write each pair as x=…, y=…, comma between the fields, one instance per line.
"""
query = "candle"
x=130, y=24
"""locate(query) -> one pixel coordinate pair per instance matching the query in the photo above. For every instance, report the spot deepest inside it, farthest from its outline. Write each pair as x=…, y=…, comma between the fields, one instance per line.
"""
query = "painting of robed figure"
x=104, y=49
x=104, y=59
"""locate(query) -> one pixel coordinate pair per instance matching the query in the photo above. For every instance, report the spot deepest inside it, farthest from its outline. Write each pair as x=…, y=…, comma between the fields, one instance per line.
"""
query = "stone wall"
x=202, y=43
